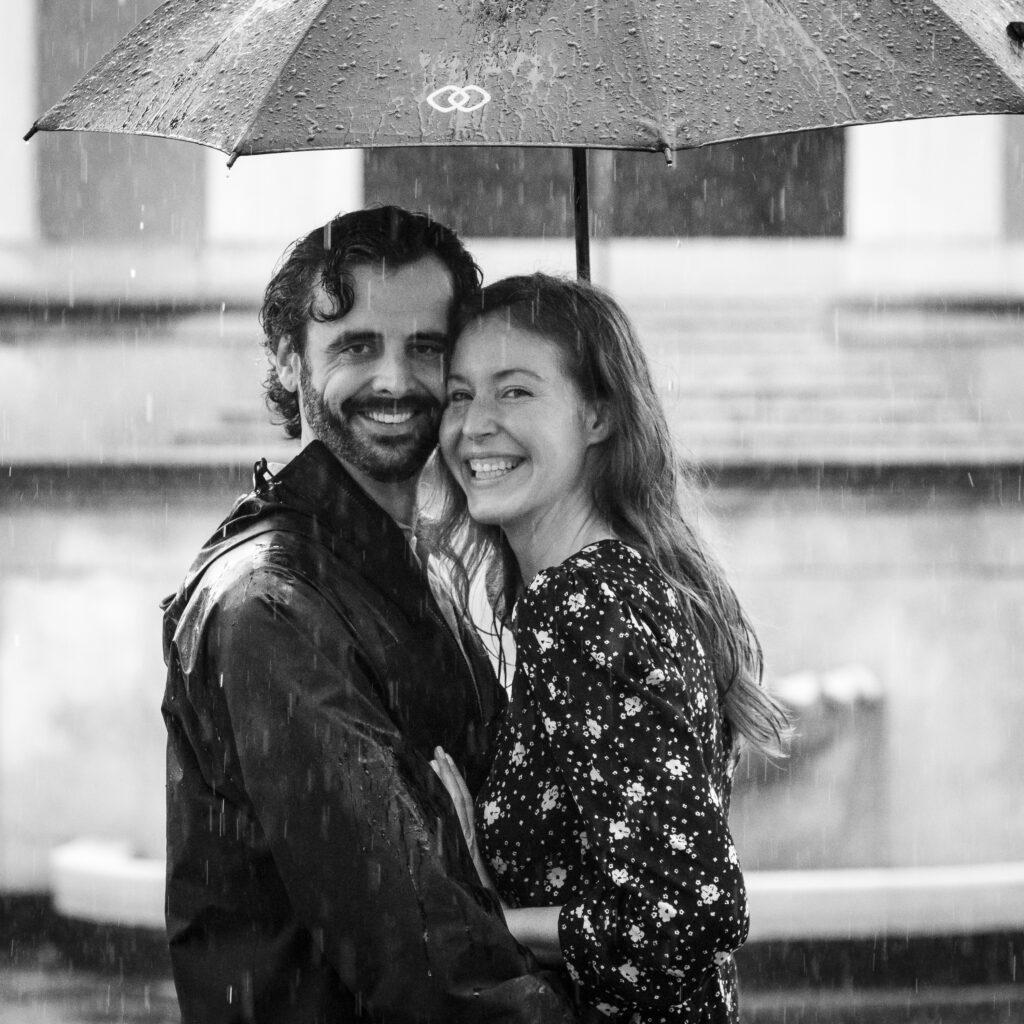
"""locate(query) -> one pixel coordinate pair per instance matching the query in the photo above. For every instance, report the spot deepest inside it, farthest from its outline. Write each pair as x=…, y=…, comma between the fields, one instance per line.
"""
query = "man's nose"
x=392, y=373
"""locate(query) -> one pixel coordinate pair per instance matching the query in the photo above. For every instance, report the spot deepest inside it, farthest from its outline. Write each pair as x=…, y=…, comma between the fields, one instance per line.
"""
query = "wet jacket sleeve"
x=362, y=833
x=628, y=717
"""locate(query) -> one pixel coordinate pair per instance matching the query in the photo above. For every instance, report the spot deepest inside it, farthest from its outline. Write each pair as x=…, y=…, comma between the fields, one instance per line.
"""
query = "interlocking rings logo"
x=464, y=98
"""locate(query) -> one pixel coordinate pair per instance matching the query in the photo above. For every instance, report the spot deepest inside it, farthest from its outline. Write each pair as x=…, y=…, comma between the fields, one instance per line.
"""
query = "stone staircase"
x=767, y=383
x=751, y=383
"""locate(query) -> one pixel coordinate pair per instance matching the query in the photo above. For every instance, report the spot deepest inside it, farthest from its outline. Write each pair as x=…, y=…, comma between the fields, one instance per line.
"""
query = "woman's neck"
x=551, y=539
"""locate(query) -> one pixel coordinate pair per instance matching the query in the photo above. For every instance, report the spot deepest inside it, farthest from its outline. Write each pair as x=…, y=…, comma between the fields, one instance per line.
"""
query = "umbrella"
x=268, y=76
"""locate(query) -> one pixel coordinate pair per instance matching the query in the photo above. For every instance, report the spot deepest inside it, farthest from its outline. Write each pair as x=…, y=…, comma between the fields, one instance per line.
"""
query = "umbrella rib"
x=665, y=136
x=236, y=149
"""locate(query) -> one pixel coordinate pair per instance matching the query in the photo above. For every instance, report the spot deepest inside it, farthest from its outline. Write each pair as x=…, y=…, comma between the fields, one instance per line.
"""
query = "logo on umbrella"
x=466, y=98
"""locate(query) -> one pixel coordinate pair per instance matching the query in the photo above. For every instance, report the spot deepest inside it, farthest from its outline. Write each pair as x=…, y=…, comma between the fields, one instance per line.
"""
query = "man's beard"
x=387, y=460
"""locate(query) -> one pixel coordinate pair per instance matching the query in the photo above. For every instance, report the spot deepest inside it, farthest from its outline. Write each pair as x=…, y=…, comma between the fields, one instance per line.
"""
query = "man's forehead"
x=411, y=288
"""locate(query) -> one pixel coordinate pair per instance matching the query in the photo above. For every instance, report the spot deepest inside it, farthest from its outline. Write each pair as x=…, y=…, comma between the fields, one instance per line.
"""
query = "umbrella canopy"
x=268, y=76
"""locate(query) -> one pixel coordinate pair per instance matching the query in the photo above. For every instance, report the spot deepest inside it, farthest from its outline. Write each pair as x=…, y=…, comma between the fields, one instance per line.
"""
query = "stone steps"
x=746, y=383
x=757, y=382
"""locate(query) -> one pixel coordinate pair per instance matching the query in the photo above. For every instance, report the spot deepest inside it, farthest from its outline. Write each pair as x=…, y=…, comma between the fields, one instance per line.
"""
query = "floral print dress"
x=609, y=793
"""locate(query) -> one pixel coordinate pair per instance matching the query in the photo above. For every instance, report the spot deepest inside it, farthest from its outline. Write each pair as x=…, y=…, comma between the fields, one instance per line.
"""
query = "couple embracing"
x=362, y=825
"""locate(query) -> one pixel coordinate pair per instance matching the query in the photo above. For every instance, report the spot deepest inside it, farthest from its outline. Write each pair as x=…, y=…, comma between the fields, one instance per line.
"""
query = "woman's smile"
x=487, y=469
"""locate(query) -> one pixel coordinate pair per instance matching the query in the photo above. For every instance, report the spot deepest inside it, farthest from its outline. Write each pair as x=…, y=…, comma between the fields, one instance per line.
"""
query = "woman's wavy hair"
x=637, y=481
x=325, y=257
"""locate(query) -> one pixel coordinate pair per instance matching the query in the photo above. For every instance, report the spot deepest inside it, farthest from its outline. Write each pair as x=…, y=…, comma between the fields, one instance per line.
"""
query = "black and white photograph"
x=512, y=512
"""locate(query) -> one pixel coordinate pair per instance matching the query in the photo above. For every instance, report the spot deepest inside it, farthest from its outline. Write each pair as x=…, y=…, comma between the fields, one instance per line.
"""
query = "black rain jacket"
x=316, y=871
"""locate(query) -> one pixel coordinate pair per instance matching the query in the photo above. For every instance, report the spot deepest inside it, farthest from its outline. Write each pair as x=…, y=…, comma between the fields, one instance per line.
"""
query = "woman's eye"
x=455, y=397
x=515, y=392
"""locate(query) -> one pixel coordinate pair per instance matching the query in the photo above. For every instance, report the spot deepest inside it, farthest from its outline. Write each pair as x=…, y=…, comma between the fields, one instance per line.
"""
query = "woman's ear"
x=598, y=424
x=288, y=363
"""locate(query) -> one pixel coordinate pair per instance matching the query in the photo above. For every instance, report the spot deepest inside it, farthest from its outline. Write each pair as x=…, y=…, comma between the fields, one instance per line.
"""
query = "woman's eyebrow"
x=501, y=375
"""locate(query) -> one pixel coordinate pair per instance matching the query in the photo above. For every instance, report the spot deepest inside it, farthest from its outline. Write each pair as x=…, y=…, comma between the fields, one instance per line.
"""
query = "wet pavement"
x=61, y=995
x=54, y=970
x=39, y=985
x=57, y=971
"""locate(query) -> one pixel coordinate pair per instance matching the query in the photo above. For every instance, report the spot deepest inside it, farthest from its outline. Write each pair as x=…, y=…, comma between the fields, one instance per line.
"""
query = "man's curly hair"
x=325, y=258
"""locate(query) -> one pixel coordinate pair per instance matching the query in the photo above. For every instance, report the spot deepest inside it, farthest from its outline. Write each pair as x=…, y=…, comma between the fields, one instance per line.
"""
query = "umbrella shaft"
x=581, y=212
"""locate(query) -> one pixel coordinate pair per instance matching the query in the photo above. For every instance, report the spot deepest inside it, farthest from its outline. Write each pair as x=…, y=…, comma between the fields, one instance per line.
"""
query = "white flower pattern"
x=635, y=792
x=603, y=646
x=666, y=911
x=556, y=878
x=678, y=841
x=544, y=641
x=709, y=893
x=629, y=972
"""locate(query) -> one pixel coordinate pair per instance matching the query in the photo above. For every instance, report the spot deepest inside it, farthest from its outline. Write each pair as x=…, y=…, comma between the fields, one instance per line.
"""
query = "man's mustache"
x=408, y=403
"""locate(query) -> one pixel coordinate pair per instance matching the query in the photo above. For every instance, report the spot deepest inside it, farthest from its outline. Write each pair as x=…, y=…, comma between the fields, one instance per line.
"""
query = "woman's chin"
x=485, y=516
x=488, y=513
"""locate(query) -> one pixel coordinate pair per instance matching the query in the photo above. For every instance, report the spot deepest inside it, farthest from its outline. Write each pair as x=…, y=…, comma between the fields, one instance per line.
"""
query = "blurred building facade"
x=835, y=320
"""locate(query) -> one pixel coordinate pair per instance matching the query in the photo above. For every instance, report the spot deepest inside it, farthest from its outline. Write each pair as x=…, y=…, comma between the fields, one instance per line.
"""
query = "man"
x=316, y=868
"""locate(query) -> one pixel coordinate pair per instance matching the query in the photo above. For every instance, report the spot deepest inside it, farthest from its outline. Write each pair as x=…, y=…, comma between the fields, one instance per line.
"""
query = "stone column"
x=936, y=180
x=934, y=207
x=271, y=200
x=19, y=220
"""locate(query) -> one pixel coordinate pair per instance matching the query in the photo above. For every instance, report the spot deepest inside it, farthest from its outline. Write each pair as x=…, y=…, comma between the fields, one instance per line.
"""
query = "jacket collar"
x=345, y=517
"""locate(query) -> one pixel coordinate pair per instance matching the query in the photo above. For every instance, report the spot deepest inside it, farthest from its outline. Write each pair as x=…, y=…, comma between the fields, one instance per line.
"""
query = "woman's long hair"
x=636, y=479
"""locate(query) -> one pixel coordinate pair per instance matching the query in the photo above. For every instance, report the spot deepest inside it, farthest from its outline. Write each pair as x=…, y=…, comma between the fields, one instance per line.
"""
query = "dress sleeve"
x=630, y=710
x=363, y=835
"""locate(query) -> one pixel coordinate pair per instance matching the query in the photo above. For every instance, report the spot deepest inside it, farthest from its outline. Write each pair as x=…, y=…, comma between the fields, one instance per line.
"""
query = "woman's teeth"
x=491, y=469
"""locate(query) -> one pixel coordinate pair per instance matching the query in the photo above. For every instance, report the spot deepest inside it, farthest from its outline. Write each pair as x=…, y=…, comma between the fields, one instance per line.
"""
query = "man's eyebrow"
x=344, y=337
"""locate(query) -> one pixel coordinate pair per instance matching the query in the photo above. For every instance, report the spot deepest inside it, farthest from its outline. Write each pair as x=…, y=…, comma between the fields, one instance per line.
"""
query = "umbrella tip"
x=670, y=155
x=28, y=135
x=232, y=158
x=1015, y=30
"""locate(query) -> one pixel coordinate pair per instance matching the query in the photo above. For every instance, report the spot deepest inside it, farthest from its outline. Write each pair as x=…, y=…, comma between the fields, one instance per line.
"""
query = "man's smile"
x=389, y=418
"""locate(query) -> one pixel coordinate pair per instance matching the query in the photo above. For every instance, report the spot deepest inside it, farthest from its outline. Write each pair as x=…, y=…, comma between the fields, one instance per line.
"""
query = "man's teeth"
x=389, y=417
x=489, y=469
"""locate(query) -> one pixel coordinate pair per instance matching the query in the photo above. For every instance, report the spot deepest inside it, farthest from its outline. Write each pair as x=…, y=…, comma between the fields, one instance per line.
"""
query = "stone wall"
x=916, y=576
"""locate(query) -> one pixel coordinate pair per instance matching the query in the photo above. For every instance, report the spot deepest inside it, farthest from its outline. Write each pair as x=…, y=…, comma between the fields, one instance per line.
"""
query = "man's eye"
x=429, y=349
x=355, y=348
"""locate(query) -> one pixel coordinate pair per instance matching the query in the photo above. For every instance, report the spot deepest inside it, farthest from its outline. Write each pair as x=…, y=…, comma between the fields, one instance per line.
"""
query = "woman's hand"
x=459, y=792
x=534, y=927
x=463, y=801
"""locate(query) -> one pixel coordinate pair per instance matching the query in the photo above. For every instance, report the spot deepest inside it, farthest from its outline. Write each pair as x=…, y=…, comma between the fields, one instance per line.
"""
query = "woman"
x=603, y=823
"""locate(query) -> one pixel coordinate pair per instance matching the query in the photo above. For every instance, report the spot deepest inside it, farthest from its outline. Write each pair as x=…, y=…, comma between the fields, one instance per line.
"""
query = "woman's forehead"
x=491, y=344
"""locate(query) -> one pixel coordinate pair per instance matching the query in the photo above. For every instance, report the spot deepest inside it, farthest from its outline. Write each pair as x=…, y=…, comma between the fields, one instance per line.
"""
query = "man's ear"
x=288, y=363
x=599, y=422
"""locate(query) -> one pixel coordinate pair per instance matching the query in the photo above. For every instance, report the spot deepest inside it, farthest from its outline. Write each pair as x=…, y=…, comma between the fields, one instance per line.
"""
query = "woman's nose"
x=478, y=419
